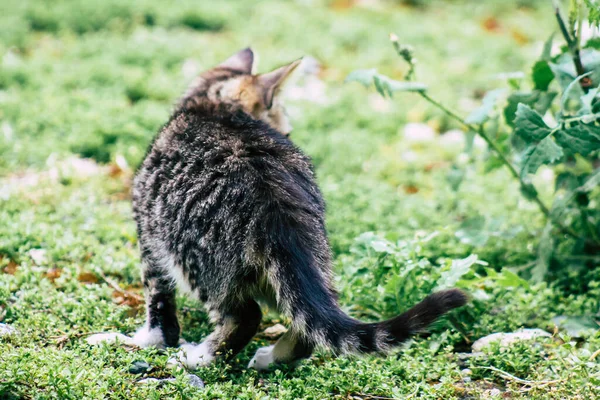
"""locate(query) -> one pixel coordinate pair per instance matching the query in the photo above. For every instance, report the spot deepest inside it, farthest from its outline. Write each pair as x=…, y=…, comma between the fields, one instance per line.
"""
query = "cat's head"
x=232, y=82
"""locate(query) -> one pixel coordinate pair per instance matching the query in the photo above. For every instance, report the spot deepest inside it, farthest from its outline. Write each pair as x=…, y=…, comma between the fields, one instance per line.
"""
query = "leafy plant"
x=385, y=277
x=533, y=126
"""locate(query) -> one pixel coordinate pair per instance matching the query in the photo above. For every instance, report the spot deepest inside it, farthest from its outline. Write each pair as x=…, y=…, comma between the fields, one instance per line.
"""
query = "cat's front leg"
x=161, y=328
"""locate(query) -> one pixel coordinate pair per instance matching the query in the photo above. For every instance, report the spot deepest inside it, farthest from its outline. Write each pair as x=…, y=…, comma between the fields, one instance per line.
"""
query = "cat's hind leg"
x=289, y=349
x=161, y=328
x=235, y=327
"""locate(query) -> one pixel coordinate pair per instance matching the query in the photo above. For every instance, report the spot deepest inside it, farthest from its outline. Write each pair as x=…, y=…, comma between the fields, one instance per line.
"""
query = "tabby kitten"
x=228, y=207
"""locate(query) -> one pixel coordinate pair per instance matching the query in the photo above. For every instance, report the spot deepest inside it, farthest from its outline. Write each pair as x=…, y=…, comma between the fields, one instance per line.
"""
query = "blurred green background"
x=84, y=86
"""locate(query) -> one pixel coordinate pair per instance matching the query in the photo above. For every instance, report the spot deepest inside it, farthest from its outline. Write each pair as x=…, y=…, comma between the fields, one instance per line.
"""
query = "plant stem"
x=479, y=130
x=574, y=47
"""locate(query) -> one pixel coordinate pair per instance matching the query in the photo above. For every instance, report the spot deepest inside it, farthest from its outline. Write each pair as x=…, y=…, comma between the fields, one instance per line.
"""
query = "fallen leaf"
x=87, y=277
x=490, y=24
x=411, y=189
x=114, y=170
x=11, y=267
x=341, y=4
x=519, y=36
x=436, y=165
x=53, y=273
x=38, y=256
x=122, y=297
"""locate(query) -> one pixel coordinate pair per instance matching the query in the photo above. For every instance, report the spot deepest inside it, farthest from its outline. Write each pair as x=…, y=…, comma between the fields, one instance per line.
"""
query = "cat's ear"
x=240, y=61
x=271, y=82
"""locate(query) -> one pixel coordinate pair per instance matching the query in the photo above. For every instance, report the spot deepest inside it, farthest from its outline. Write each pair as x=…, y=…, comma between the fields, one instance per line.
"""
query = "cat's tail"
x=305, y=293
x=336, y=330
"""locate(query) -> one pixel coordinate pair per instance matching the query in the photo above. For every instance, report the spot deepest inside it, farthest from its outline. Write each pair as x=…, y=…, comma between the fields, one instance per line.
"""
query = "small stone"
x=139, y=367
x=193, y=381
x=418, y=133
x=491, y=393
x=151, y=380
x=466, y=372
x=409, y=156
x=174, y=362
x=507, y=339
x=273, y=332
x=454, y=137
x=6, y=330
x=190, y=69
x=108, y=337
x=38, y=256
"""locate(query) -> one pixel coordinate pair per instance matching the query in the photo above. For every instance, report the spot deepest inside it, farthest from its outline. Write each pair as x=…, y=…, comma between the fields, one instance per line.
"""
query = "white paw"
x=148, y=337
x=108, y=337
x=193, y=356
x=262, y=359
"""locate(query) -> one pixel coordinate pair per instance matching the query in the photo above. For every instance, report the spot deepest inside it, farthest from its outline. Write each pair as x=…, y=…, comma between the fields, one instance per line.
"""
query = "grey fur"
x=226, y=203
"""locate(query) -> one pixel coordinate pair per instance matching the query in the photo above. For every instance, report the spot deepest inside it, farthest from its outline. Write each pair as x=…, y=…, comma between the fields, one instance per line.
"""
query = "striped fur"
x=227, y=205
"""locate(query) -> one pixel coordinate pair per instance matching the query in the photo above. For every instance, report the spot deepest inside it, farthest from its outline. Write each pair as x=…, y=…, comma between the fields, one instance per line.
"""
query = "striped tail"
x=304, y=293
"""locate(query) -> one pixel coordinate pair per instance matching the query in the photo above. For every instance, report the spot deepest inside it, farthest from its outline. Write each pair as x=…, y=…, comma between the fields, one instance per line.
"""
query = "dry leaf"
x=411, y=189
x=87, y=277
x=114, y=170
x=436, y=165
x=341, y=4
x=490, y=24
x=519, y=36
x=122, y=297
x=53, y=273
x=11, y=267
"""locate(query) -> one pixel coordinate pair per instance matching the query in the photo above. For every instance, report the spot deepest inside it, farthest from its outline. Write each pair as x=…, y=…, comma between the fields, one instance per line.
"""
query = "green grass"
x=96, y=80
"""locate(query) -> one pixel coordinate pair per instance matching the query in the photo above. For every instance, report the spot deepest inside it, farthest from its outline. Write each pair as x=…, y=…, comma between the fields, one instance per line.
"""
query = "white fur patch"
x=108, y=337
x=148, y=337
x=262, y=359
x=176, y=273
x=195, y=356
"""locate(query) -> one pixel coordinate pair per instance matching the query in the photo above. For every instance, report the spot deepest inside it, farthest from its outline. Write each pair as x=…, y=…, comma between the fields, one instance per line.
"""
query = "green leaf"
x=492, y=162
x=481, y=114
x=594, y=12
x=399, y=86
x=542, y=75
x=544, y=152
x=508, y=278
x=472, y=231
x=560, y=203
x=591, y=183
x=383, y=84
x=545, y=249
x=577, y=326
x=575, y=84
x=457, y=270
x=586, y=101
x=528, y=191
x=580, y=138
x=539, y=101
x=455, y=177
x=564, y=69
x=469, y=141
x=547, y=50
x=364, y=76
x=529, y=125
